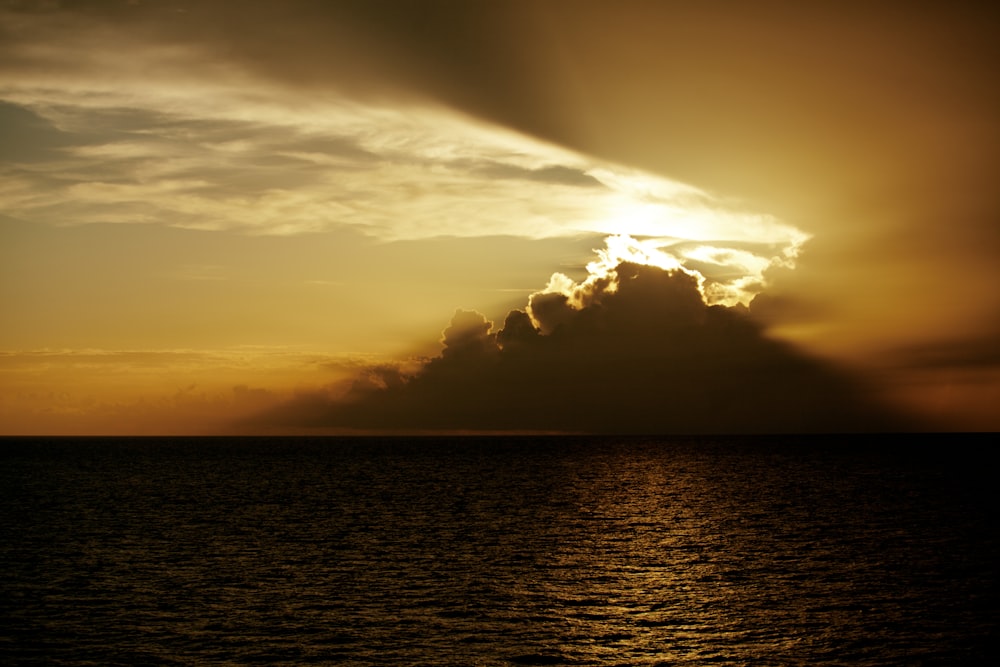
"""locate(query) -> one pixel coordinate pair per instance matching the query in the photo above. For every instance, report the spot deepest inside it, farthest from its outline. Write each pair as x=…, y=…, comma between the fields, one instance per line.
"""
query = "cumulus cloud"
x=468, y=335
x=634, y=349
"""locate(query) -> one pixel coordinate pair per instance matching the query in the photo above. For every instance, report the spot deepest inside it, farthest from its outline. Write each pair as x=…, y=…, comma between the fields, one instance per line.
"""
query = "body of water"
x=498, y=551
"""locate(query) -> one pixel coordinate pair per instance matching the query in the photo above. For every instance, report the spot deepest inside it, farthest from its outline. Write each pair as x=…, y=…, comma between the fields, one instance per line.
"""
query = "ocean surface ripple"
x=497, y=551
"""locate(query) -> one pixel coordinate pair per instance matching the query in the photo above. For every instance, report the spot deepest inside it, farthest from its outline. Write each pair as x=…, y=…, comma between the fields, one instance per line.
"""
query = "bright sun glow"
x=671, y=225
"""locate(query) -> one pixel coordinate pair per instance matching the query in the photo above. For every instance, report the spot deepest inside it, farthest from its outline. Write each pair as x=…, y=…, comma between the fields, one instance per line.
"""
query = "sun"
x=659, y=222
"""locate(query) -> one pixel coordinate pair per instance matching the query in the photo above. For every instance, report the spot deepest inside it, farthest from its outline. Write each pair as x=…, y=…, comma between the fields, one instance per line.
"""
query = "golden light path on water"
x=475, y=551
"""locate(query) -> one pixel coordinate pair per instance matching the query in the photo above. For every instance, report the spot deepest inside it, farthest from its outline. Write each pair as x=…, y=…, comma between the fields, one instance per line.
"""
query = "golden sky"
x=217, y=217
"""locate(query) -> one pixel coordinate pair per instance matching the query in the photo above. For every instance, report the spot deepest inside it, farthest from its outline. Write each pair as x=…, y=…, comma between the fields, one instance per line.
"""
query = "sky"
x=635, y=216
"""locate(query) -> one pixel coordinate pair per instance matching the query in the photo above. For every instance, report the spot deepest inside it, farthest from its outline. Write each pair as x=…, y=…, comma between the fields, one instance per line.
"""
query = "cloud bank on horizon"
x=634, y=348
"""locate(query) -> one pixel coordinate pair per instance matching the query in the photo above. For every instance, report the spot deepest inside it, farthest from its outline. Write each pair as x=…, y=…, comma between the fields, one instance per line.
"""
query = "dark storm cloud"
x=644, y=355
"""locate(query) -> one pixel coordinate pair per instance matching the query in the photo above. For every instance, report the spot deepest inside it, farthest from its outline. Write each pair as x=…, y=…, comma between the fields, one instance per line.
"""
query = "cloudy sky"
x=284, y=216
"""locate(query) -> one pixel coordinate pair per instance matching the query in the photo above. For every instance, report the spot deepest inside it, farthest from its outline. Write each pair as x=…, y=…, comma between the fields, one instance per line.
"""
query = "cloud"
x=230, y=162
x=468, y=336
x=632, y=350
x=388, y=120
x=190, y=116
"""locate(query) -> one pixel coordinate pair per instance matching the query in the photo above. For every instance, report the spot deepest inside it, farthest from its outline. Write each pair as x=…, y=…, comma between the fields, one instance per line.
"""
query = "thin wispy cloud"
x=421, y=173
x=178, y=135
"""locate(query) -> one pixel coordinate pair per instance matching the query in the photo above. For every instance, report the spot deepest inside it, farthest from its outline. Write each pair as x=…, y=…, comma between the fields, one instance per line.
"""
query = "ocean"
x=497, y=550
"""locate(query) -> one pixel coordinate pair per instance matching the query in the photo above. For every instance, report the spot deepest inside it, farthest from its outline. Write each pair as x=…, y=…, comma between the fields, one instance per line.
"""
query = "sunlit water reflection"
x=496, y=551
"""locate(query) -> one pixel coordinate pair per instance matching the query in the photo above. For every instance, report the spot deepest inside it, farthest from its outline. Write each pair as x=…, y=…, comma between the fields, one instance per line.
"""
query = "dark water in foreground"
x=495, y=551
